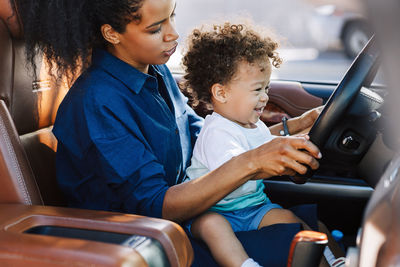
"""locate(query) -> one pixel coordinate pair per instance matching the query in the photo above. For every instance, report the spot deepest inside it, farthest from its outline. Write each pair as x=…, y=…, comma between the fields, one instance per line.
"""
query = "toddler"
x=230, y=67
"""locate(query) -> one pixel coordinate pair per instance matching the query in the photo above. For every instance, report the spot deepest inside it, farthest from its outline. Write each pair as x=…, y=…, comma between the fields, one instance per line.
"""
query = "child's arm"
x=298, y=125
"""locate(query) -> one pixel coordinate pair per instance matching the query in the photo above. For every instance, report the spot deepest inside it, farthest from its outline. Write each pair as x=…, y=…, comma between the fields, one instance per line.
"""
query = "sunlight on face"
x=153, y=40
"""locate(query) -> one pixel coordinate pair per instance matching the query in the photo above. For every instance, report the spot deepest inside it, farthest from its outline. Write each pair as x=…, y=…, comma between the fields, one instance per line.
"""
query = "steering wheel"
x=361, y=73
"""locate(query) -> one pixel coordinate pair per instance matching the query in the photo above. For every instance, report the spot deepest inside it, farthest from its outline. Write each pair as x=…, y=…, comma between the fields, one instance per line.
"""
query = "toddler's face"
x=247, y=93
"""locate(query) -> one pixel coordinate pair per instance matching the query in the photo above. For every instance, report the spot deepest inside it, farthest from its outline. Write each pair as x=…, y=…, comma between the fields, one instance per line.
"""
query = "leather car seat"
x=33, y=104
x=17, y=180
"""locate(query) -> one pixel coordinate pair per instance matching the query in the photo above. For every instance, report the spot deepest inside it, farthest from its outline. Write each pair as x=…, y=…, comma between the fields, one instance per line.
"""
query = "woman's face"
x=151, y=41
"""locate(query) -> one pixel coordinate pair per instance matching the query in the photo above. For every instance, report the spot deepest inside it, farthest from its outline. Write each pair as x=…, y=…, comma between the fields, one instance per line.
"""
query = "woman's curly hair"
x=213, y=56
x=66, y=31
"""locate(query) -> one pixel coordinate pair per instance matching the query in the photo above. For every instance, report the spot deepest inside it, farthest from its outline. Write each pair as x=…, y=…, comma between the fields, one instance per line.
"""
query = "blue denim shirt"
x=123, y=137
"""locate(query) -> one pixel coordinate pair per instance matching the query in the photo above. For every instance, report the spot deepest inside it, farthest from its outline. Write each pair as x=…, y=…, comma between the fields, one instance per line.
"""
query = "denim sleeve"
x=125, y=164
x=133, y=174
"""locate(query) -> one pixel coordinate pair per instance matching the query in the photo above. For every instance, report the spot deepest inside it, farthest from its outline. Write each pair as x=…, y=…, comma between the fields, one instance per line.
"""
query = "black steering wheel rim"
x=361, y=73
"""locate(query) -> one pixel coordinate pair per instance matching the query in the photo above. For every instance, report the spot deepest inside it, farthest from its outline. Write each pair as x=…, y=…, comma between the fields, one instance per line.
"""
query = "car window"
x=318, y=38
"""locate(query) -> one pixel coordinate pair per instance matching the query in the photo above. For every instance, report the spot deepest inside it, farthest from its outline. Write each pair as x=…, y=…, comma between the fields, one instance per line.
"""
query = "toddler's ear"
x=219, y=92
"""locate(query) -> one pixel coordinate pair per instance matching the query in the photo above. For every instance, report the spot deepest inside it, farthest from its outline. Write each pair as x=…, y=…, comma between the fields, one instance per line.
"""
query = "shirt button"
x=176, y=131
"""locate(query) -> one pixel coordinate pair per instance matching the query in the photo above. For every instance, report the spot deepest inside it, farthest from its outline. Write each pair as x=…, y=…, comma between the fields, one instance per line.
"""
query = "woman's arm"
x=186, y=200
x=278, y=157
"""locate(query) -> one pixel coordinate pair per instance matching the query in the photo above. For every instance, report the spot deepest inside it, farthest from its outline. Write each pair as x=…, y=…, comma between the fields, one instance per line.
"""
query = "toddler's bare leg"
x=217, y=233
x=275, y=216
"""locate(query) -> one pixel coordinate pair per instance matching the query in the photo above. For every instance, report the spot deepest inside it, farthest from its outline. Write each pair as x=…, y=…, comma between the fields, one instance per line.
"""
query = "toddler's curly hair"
x=213, y=55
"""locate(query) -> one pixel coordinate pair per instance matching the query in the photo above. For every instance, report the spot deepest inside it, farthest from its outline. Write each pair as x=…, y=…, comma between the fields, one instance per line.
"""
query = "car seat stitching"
x=20, y=181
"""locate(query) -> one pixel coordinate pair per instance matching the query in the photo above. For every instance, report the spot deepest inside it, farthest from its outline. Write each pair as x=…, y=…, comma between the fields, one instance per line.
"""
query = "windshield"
x=318, y=38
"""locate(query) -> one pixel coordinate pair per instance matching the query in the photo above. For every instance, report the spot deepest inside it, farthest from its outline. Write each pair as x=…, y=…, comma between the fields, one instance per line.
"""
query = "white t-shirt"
x=219, y=140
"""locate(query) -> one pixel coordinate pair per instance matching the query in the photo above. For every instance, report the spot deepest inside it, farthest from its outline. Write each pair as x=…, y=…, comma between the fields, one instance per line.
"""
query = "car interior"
x=37, y=228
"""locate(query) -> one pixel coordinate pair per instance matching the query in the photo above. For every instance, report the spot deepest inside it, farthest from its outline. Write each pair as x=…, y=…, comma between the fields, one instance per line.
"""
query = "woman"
x=124, y=130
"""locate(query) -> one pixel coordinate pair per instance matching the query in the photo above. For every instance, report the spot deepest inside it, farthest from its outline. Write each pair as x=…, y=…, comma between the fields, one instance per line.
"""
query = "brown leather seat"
x=32, y=104
x=17, y=182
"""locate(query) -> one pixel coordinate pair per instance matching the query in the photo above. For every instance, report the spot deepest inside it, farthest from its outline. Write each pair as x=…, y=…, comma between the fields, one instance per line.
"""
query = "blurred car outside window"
x=318, y=38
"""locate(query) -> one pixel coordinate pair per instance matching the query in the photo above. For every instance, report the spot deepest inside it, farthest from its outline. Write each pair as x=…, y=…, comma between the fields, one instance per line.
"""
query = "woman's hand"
x=285, y=156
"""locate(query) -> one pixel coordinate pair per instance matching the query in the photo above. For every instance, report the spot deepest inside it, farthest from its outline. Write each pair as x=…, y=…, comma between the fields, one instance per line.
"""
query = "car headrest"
x=9, y=14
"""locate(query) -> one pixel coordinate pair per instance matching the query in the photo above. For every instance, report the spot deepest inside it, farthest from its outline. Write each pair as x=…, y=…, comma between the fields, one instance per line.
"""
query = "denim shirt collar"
x=128, y=75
